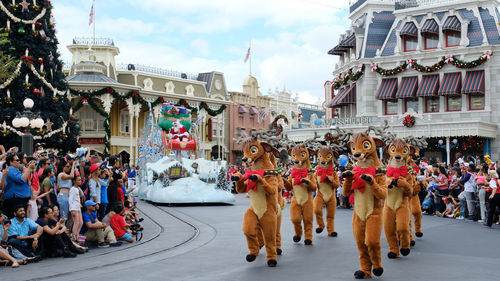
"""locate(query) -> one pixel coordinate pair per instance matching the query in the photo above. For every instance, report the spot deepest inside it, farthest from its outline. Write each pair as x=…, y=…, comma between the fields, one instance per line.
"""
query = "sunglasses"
x=16, y=160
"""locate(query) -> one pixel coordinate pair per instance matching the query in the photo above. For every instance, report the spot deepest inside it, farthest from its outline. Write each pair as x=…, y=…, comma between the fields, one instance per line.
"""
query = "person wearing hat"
x=452, y=207
x=96, y=231
x=94, y=185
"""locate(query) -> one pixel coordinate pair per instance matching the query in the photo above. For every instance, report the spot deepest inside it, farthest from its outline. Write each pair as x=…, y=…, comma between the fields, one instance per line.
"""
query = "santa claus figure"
x=178, y=132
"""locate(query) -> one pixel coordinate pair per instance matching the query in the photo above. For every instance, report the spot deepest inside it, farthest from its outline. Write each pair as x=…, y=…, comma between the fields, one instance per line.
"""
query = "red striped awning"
x=430, y=26
x=387, y=89
x=335, y=99
x=451, y=84
x=347, y=97
x=407, y=88
x=429, y=86
x=452, y=23
x=242, y=109
x=349, y=42
x=474, y=82
x=409, y=29
x=338, y=50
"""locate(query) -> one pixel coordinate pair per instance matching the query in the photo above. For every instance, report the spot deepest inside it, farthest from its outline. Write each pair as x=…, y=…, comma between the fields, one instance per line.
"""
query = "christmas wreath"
x=277, y=126
x=409, y=121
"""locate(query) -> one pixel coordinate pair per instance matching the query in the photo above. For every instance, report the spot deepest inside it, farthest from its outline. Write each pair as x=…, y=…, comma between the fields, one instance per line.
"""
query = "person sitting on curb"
x=119, y=225
x=96, y=231
x=24, y=233
x=55, y=241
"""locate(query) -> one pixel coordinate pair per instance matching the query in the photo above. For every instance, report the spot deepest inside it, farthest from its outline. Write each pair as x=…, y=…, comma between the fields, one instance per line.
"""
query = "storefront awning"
x=429, y=86
x=254, y=110
x=430, y=26
x=242, y=109
x=452, y=23
x=474, y=82
x=347, y=97
x=409, y=29
x=349, y=42
x=408, y=87
x=387, y=89
x=451, y=84
x=340, y=93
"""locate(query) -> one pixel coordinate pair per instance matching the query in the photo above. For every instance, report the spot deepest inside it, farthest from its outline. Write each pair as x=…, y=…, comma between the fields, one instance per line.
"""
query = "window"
x=432, y=104
x=410, y=43
x=453, y=103
x=391, y=107
x=452, y=38
x=431, y=41
x=220, y=133
x=411, y=103
x=124, y=119
x=476, y=102
x=214, y=132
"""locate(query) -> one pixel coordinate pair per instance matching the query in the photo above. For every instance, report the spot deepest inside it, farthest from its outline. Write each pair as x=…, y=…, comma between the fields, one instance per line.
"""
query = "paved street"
x=206, y=243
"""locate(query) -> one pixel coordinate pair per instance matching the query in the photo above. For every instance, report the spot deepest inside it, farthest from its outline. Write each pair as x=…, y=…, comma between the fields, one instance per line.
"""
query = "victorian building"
x=250, y=112
x=430, y=68
x=94, y=73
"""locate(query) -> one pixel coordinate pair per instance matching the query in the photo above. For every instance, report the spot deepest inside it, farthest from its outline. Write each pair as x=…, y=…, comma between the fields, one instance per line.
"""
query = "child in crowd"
x=119, y=225
x=452, y=208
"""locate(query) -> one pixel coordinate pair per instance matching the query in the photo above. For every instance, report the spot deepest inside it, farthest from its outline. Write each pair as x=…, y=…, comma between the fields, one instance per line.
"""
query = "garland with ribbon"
x=6, y=128
x=136, y=99
x=277, y=126
x=343, y=78
x=449, y=59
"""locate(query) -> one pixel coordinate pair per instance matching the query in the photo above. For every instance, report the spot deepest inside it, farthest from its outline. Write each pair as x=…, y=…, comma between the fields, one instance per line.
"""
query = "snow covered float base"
x=186, y=181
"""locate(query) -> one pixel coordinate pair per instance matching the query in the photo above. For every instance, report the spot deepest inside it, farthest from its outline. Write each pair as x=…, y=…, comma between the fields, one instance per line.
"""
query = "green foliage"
x=7, y=62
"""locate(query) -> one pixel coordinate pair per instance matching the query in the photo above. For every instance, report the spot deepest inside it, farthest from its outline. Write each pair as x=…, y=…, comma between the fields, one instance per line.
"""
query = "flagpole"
x=93, y=5
x=250, y=56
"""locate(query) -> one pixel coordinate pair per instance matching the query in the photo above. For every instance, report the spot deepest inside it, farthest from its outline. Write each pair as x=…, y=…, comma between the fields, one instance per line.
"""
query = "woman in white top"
x=63, y=185
x=75, y=206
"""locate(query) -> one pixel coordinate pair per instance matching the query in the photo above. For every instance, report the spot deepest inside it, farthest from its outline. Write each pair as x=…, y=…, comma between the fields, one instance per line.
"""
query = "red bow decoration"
x=415, y=168
x=251, y=185
x=397, y=172
x=324, y=172
x=359, y=183
x=298, y=175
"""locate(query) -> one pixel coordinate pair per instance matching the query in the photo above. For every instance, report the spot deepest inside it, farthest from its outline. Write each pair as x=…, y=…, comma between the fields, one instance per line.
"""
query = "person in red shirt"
x=119, y=225
x=119, y=191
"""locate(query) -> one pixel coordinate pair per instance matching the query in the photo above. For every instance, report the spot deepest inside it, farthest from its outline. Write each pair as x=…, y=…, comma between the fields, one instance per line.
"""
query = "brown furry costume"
x=328, y=182
x=368, y=183
x=416, y=210
x=261, y=187
x=303, y=182
x=397, y=209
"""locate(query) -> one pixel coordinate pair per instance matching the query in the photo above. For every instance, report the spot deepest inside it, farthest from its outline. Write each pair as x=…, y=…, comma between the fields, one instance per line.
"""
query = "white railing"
x=406, y=4
x=93, y=41
x=156, y=70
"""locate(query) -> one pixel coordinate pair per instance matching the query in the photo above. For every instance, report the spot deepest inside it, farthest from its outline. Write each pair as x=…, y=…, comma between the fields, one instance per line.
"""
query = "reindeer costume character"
x=397, y=209
x=303, y=182
x=261, y=183
x=328, y=182
x=368, y=183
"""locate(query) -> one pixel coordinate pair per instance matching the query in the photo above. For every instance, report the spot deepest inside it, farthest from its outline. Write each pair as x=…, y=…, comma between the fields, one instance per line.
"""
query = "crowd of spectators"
x=54, y=206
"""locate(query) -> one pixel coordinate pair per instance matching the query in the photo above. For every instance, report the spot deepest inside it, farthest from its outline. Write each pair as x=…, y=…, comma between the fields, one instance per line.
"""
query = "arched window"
x=409, y=35
x=452, y=30
x=430, y=33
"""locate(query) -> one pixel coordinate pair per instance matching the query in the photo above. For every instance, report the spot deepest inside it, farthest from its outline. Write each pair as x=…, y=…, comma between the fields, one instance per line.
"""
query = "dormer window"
x=409, y=35
x=430, y=33
x=452, y=30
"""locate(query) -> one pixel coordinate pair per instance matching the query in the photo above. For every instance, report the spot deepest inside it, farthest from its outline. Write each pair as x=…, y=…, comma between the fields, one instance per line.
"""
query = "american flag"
x=91, y=16
x=247, y=56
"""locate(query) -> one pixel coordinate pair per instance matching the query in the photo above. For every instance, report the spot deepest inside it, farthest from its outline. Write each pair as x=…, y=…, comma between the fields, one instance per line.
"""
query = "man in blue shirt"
x=24, y=233
x=96, y=231
x=16, y=190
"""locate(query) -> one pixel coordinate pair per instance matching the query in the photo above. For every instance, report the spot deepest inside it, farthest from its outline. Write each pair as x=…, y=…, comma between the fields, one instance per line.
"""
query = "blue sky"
x=290, y=38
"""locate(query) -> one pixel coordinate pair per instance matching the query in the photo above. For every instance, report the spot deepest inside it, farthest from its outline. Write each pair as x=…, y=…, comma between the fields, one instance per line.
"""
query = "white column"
x=447, y=150
x=137, y=112
x=130, y=105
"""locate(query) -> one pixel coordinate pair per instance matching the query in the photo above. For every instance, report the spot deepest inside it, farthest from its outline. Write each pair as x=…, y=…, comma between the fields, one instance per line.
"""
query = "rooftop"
x=93, y=41
x=156, y=70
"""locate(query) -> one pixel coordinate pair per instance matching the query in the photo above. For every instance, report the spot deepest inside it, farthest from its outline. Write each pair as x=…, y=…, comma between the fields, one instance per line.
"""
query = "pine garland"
x=136, y=99
x=343, y=78
x=449, y=59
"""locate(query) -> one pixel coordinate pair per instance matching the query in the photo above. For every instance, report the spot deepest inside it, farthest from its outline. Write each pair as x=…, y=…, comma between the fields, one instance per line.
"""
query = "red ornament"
x=48, y=2
x=40, y=60
x=38, y=25
x=110, y=90
x=71, y=117
x=36, y=91
x=162, y=100
x=85, y=101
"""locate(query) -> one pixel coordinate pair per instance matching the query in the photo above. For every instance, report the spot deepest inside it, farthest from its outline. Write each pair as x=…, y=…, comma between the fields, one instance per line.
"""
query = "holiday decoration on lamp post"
x=37, y=75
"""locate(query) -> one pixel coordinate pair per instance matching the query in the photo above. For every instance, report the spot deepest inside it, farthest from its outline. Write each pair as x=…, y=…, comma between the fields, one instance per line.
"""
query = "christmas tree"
x=38, y=75
x=222, y=182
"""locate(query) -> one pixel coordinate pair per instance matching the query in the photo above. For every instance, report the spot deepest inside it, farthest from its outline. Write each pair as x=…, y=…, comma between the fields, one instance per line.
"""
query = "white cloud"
x=165, y=34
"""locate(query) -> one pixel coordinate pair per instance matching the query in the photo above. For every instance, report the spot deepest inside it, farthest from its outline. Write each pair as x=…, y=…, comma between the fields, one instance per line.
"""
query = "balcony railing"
x=93, y=41
x=157, y=70
x=406, y=4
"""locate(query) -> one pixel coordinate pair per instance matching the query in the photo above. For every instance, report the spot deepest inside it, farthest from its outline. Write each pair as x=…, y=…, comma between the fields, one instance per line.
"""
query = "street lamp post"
x=27, y=120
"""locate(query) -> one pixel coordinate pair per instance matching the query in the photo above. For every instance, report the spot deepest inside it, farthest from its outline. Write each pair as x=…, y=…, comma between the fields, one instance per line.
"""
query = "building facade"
x=310, y=115
x=433, y=62
x=94, y=68
x=248, y=113
x=285, y=103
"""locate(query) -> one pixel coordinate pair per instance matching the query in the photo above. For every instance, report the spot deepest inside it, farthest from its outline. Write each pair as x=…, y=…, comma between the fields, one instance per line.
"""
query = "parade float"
x=169, y=170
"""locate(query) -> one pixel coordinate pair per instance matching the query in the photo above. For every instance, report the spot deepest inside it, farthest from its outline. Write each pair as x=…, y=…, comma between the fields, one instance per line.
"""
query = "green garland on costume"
x=344, y=78
x=450, y=59
x=136, y=98
x=278, y=127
